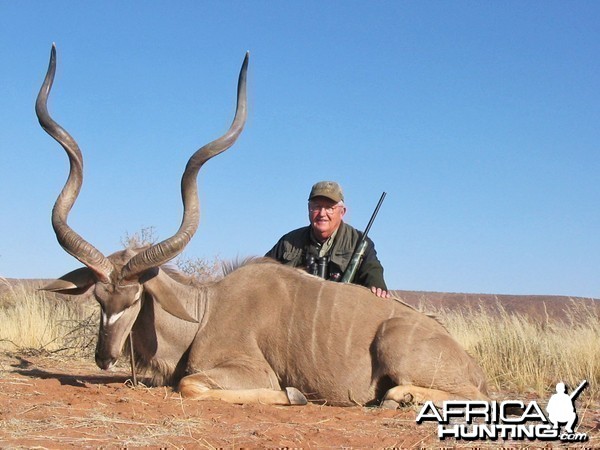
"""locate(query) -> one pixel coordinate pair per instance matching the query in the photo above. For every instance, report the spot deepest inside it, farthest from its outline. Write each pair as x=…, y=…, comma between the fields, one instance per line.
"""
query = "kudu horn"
x=169, y=248
x=163, y=251
x=73, y=243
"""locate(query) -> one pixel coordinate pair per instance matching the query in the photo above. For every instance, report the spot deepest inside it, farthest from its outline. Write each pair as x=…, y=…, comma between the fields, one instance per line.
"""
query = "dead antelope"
x=265, y=333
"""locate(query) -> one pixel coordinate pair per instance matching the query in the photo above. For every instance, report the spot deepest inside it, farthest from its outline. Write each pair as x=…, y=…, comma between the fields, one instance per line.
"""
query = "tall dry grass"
x=523, y=355
x=33, y=321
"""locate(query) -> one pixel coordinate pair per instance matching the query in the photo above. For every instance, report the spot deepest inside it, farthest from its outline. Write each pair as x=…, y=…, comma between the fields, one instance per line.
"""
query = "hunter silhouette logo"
x=561, y=406
x=510, y=419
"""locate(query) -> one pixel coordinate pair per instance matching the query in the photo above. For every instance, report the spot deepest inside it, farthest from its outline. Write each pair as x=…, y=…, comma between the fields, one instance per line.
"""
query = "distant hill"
x=538, y=307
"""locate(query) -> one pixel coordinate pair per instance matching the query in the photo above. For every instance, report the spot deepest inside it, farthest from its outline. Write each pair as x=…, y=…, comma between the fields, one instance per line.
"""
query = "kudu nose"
x=104, y=362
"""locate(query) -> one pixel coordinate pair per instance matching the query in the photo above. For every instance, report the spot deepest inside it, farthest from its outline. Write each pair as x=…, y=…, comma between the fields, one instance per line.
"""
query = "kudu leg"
x=195, y=387
x=425, y=363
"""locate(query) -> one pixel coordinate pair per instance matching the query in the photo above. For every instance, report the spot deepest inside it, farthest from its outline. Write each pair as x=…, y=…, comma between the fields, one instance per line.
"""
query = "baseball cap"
x=329, y=189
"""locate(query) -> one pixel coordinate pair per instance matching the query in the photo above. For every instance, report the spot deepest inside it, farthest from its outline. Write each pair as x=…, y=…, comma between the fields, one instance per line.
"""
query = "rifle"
x=576, y=392
x=361, y=247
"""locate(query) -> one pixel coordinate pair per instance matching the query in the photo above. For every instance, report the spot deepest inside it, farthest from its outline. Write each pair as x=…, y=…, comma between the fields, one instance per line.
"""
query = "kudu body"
x=266, y=332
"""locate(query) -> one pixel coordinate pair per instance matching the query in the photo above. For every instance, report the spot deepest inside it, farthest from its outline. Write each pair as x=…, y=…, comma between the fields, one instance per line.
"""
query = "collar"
x=324, y=247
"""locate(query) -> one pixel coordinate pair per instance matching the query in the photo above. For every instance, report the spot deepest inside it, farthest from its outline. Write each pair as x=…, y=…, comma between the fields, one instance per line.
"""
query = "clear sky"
x=481, y=120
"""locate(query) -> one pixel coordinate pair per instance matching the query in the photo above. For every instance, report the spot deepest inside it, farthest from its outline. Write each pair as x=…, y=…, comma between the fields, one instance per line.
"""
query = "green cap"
x=329, y=189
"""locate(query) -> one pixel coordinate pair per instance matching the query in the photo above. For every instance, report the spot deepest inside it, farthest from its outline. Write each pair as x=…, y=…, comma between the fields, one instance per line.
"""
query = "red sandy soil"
x=47, y=402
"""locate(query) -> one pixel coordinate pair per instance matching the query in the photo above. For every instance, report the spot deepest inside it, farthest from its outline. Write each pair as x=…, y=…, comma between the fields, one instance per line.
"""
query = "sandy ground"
x=47, y=402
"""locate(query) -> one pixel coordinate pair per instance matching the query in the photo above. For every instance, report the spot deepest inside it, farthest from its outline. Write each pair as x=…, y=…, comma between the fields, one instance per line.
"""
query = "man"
x=329, y=242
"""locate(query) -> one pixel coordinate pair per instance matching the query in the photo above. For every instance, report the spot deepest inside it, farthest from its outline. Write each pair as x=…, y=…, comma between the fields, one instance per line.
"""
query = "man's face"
x=325, y=216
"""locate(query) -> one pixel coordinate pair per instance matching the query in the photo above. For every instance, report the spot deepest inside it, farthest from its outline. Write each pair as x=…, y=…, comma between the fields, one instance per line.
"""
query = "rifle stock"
x=357, y=257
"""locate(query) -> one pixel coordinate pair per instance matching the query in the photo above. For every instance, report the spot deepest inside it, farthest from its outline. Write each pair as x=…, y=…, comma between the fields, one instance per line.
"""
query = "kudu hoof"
x=389, y=404
x=295, y=396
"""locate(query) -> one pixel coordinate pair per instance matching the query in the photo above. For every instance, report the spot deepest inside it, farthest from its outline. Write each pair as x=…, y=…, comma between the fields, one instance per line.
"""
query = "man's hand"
x=380, y=292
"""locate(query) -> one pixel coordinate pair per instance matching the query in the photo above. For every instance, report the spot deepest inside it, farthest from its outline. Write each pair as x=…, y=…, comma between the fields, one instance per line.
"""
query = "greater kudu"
x=266, y=332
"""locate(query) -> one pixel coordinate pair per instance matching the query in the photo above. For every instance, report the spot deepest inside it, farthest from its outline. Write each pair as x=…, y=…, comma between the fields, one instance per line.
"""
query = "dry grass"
x=33, y=321
x=522, y=355
x=85, y=428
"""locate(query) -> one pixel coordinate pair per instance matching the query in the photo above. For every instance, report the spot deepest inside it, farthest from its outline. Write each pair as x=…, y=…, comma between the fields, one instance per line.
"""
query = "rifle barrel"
x=374, y=213
x=576, y=392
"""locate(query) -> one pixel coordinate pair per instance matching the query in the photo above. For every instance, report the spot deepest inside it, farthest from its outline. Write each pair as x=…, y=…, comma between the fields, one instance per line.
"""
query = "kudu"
x=264, y=333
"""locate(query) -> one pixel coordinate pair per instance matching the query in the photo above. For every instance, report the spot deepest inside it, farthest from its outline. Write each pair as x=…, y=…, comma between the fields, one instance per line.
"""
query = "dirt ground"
x=47, y=402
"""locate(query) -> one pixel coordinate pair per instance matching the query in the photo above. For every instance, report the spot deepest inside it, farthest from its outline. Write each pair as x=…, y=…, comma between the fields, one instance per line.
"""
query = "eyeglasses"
x=328, y=209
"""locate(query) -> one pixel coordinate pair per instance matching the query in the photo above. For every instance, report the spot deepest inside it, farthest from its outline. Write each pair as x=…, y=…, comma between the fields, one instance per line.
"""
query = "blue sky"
x=481, y=120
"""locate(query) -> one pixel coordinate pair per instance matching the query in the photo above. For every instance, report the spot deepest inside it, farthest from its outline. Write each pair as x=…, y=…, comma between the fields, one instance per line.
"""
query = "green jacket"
x=292, y=249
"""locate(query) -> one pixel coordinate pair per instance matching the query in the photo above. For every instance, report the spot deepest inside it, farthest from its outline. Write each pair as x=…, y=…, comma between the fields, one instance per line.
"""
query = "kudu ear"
x=166, y=298
x=76, y=282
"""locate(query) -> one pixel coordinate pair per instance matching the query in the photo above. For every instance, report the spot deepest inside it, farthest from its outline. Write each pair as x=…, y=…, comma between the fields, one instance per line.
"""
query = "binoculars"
x=318, y=266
